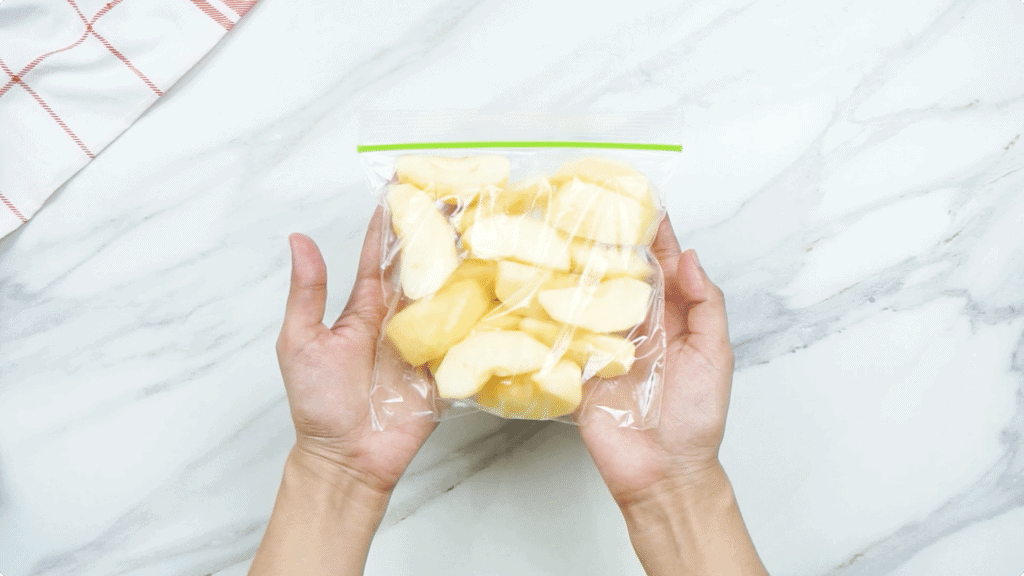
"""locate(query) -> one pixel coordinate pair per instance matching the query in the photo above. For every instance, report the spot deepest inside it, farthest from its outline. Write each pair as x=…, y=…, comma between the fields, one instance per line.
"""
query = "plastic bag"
x=516, y=263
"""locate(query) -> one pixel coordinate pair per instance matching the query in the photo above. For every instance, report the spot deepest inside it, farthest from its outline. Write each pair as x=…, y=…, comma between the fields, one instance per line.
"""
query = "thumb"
x=365, y=309
x=703, y=302
x=307, y=294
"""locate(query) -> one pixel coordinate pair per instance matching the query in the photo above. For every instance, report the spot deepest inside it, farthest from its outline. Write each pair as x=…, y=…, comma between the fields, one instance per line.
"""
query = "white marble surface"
x=852, y=178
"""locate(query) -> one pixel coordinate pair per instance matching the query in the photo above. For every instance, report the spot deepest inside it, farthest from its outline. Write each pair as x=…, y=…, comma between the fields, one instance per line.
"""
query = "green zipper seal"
x=518, y=144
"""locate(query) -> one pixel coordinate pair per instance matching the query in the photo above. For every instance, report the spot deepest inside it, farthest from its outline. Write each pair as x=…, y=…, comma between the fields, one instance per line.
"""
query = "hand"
x=339, y=476
x=683, y=450
x=678, y=503
x=327, y=371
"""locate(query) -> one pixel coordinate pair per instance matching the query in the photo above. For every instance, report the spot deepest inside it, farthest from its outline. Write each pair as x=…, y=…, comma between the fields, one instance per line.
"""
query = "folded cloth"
x=74, y=74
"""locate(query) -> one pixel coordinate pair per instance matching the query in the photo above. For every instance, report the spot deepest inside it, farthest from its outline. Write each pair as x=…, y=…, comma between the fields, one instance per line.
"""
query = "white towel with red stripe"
x=74, y=74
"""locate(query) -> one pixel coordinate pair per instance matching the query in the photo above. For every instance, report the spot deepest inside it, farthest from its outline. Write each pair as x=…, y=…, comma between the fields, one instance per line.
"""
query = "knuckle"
x=283, y=343
x=717, y=293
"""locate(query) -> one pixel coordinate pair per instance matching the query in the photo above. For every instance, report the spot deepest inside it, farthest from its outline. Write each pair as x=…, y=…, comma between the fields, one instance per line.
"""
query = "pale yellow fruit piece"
x=427, y=241
x=603, y=355
x=513, y=277
x=590, y=211
x=517, y=285
x=469, y=364
x=612, y=174
x=509, y=397
x=547, y=407
x=427, y=328
x=517, y=238
x=519, y=309
x=564, y=381
x=611, y=306
x=434, y=364
x=519, y=197
x=524, y=395
x=464, y=218
x=499, y=318
x=454, y=180
x=602, y=260
x=482, y=272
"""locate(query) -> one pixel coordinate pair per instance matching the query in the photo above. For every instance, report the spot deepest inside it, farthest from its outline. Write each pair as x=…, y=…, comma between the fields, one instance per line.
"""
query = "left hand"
x=328, y=371
x=683, y=450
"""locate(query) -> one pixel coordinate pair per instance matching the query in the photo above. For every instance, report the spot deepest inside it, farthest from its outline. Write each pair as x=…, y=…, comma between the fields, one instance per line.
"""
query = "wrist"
x=332, y=488
x=689, y=486
x=698, y=491
x=691, y=524
x=323, y=522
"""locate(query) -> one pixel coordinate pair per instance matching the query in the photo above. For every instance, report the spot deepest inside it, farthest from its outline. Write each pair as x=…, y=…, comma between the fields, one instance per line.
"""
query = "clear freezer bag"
x=516, y=263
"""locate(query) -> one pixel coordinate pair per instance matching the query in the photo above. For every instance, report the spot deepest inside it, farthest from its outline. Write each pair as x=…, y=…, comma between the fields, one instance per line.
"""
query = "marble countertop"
x=851, y=177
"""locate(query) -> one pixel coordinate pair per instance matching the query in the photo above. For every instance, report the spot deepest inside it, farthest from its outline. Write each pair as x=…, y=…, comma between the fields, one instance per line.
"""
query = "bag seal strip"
x=518, y=144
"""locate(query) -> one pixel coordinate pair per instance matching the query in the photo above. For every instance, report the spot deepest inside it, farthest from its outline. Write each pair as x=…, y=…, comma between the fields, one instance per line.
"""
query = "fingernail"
x=696, y=260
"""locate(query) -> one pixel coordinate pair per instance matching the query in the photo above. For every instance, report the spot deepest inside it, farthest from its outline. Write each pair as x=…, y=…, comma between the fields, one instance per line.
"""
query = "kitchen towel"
x=74, y=74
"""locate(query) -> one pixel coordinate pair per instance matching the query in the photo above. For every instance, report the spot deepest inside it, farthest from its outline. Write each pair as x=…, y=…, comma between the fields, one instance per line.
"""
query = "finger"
x=307, y=295
x=703, y=301
x=665, y=246
x=366, y=302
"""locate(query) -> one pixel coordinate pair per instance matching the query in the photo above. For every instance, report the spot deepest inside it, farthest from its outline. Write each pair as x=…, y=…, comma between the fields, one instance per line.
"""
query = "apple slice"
x=482, y=272
x=499, y=317
x=463, y=218
x=611, y=306
x=601, y=355
x=516, y=199
x=564, y=381
x=600, y=260
x=611, y=174
x=519, y=197
x=520, y=238
x=453, y=180
x=542, y=395
x=434, y=364
x=427, y=241
x=590, y=211
x=517, y=286
x=509, y=397
x=469, y=364
x=425, y=329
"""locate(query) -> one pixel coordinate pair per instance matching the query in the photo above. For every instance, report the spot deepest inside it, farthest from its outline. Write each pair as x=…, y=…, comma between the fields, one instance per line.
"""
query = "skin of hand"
x=339, y=475
x=327, y=371
x=673, y=493
x=668, y=481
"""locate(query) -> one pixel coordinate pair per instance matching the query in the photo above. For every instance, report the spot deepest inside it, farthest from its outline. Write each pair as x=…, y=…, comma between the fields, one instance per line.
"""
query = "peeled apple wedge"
x=498, y=319
x=519, y=238
x=564, y=381
x=603, y=355
x=464, y=218
x=541, y=395
x=602, y=260
x=469, y=364
x=518, y=197
x=480, y=271
x=596, y=213
x=453, y=180
x=611, y=174
x=611, y=306
x=509, y=397
x=427, y=241
x=434, y=364
x=427, y=328
x=517, y=285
